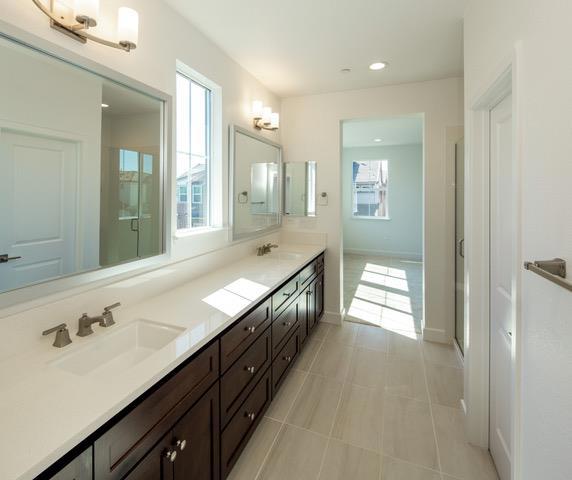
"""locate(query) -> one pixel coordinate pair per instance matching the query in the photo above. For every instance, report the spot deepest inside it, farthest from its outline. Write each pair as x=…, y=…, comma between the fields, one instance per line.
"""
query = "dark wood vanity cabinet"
x=194, y=424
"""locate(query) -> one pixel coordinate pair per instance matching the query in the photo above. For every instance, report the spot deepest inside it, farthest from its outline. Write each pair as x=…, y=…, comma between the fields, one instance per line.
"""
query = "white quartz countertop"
x=45, y=411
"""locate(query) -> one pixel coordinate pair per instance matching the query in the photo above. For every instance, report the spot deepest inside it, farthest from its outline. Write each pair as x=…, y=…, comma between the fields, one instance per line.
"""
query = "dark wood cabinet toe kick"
x=195, y=423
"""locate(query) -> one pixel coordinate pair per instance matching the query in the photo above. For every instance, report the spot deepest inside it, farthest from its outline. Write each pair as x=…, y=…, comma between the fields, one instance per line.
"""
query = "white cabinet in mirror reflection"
x=300, y=189
x=80, y=156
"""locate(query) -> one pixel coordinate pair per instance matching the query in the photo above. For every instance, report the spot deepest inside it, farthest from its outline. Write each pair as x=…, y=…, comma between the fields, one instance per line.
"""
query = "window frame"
x=385, y=189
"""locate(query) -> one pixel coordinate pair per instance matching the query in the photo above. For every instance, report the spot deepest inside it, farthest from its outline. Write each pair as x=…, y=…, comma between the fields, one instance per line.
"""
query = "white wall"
x=311, y=130
x=541, y=34
x=402, y=233
x=164, y=37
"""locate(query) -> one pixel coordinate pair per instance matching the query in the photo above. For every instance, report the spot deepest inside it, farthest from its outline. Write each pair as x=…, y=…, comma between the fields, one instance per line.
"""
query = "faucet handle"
x=111, y=307
x=107, y=317
x=62, y=336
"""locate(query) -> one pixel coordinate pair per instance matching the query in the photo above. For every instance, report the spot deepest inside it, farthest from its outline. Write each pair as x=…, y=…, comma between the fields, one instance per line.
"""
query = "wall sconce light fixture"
x=75, y=17
x=264, y=118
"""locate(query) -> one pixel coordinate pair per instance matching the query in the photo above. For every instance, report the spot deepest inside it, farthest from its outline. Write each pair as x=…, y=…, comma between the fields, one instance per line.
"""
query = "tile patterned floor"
x=365, y=402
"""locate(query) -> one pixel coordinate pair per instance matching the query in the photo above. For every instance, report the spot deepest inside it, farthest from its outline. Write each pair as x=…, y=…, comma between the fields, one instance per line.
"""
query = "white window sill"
x=193, y=232
x=356, y=217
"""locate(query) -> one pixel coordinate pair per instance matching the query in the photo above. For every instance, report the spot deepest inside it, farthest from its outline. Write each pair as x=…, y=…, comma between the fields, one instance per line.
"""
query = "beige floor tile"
x=359, y=420
x=320, y=331
x=316, y=405
x=286, y=396
x=404, y=344
x=333, y=361
x=309, y=351
x=458, y=458
x=344, y=333
x=296, y=455
x=406, y=377
x=441, y=354
x=394, y=469
x=371, y=337
x=255, y=452
x=445, y=385
x=367, y=368
x=346, y=462
x=408, y=431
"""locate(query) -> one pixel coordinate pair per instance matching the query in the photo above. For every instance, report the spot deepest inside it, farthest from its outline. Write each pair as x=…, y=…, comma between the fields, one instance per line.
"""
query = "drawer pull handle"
x=309, y=292
x=250, y=329
x=287, y=324
x=288, y=294
x=250, y=416
x=251, y=370
x=170, y=455
x=181, y=444
x=288, y=358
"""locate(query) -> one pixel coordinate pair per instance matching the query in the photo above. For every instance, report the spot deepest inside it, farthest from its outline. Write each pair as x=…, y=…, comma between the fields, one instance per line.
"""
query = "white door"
x=502, y=211
x=38, y=193
x=460, y=244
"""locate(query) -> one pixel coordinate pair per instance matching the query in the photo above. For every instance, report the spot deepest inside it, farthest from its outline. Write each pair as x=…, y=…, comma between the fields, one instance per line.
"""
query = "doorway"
x=382, y=195
x=460, y=244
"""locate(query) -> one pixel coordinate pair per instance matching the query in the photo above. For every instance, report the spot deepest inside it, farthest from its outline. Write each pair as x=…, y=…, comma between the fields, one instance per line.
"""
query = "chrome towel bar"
x=552, y=270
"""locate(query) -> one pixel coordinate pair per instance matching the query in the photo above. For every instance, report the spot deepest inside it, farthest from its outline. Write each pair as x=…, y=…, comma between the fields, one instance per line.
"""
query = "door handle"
x=462, y=248
x=134, y=224
x=5, y=258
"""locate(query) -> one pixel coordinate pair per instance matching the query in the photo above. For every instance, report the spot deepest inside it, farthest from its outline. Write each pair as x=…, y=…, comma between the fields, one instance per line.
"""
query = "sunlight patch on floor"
x=381, y=316
x=384, y=298
x=389, y=271
x=385, y=281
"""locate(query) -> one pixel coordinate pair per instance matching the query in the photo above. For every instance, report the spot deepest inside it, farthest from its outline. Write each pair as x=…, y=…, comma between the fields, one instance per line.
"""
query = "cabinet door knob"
x=181, y=444
x=288, y=358
x=250, y=370
x=170, y=455
x=250, y=416
x=287, y=324
x=251, y=329
x=309, y=292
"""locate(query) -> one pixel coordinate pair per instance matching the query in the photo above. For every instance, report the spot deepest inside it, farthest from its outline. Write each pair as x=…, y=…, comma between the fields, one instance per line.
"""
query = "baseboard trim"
x=436, y=335
x=385, y=253
x=333, y=318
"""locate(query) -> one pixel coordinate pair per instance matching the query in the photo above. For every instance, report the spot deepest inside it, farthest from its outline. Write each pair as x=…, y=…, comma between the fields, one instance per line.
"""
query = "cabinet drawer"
x=243, y=334
x=283, y=326
x=284, y=360
x=285, y=295
x=308, y=272
x=243, y=424
x=126, y=442
x=320, y=263
x=243, y=375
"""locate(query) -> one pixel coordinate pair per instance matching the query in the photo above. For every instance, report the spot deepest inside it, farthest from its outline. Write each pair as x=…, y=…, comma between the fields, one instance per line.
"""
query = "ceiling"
x=391, y=131
x=298, y=47
x=124, y=101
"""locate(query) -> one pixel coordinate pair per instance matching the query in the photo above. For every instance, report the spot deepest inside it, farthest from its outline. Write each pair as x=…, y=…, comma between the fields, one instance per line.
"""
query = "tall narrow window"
x=369, y=188
x=194, y=147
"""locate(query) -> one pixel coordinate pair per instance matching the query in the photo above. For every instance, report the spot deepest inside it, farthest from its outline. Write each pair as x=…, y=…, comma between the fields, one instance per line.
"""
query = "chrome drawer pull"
x=251, y=329
x=250, y=416
x=287, y=324
x=181, y=444
x=250, y=370
x=288, y=358
x=170, y=455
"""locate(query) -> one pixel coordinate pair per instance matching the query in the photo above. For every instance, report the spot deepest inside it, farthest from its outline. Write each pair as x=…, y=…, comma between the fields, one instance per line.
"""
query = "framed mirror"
x=255, y=177
x=82, y=167
x=300, y=189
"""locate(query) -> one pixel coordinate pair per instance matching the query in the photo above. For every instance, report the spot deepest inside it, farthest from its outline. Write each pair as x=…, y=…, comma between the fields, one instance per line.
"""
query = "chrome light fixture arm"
x=79, y=31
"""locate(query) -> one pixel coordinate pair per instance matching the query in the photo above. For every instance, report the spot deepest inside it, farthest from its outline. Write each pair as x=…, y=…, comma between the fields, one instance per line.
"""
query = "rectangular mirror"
x=300, y=189
x=255, y=180
x=81, y=184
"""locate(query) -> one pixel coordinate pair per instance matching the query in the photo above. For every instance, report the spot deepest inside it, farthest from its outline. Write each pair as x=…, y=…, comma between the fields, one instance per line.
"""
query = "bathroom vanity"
x=194, y=422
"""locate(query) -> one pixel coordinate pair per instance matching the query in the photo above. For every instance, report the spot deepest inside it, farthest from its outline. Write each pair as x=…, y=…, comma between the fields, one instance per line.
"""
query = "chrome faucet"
x=264, y=249
x=105, y=320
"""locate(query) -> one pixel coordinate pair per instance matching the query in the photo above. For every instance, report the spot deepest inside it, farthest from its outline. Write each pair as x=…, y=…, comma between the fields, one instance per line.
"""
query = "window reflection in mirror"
x=90, y=151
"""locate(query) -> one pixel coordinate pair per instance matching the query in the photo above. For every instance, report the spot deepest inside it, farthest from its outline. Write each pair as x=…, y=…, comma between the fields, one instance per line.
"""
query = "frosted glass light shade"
x=257, y=109
x=266, y=115
x=87, y=8
x=275, y=120
x=128, y=25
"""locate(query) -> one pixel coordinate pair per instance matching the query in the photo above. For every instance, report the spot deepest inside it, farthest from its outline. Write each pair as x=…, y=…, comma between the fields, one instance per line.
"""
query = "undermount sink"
x=120, y=350
x=285, y=255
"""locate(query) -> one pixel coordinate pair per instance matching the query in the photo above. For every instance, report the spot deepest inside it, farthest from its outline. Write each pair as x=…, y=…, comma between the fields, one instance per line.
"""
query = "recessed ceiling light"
x=377, y=140
x=378, y=66
x=345, y=70
x=104, y=105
